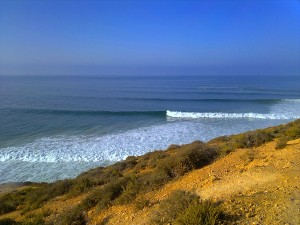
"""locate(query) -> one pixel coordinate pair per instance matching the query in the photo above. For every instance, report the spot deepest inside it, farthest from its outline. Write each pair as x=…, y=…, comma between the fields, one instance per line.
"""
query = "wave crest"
x=217, y=115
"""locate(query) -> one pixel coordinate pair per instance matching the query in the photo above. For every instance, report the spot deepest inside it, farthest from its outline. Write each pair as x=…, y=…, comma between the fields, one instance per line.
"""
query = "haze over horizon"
x=234, y=37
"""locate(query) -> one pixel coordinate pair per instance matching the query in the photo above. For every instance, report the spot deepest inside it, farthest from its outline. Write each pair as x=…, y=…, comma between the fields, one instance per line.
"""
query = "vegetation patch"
x=281, y=142
x=171, y=207
x=200, y=212
x=185, y=208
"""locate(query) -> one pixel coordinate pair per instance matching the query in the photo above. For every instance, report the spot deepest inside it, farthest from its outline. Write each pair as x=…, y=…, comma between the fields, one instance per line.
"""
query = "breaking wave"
x=217, y=115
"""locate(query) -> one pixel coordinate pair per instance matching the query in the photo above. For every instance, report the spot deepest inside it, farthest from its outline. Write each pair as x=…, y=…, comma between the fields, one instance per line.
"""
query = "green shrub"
x=33, y=221
x=8, y=221
x=200, y=213
x=7, y=204
x=81, y=185
x=104, y=196
x=169, y=208
x=142, y=203
x=219, y=140
x=153, y=158
x=153, y=180
x=188, y=157
x=252, y=139
x=101, y=175
x=172, y=147
x=74, y=216
x=225, y=149
x=121, y=166
x=281, y=142
x=249, y=156
x=36, y=197
x=293, y=132
x=129, y=192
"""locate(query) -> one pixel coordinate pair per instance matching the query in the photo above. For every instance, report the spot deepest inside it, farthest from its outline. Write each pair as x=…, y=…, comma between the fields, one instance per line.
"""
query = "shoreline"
x=12, y=186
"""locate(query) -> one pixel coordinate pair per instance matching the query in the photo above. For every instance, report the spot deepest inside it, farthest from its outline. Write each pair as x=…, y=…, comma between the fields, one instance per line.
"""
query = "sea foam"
x=55, y=157
x=216, y=115
x=117, y=146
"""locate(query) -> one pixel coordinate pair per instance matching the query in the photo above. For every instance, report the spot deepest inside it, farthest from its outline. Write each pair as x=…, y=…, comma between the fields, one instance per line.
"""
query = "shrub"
x=129, y=192
x=153, y=180
x=281, y=142
x=171, y=147
x=74, y=216
x=104, y=196
x=188, y=157
x=36, y=197
x=153, y=158
x=8, y=221
x=252, y=139
x=100, y=176
x=36, y=220
x=293, y=132
x=142, y=203
x=249, y=156
x=129, y=163
x=81, y=185
x=7, y=204
x=169, y=208
x=200, y=213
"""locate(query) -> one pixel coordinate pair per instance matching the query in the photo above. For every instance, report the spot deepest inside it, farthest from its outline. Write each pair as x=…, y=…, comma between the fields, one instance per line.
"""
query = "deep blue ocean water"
x=57, y=127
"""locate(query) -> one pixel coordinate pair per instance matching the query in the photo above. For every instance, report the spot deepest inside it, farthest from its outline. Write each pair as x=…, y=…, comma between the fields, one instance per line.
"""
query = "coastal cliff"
x=250, y=178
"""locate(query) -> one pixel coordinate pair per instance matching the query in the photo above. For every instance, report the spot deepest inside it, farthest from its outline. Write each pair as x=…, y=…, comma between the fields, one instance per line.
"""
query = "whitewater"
x=57, y=127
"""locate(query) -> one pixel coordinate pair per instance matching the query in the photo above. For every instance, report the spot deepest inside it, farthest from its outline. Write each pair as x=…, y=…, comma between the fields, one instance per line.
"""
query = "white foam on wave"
x=288, y=107
x=59, y=157
x=110, y=147
x=216, y=115
x=292, y=100
x=117, y=146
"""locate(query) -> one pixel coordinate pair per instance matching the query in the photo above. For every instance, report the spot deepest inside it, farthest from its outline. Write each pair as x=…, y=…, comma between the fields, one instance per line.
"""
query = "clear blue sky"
x=64, y=37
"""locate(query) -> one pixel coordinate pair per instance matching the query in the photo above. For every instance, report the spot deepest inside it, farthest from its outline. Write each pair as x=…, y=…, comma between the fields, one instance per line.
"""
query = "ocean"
x=55, y=127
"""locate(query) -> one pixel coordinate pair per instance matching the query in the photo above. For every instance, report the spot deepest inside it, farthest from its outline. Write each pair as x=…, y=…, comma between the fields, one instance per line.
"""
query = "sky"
x=213, y=37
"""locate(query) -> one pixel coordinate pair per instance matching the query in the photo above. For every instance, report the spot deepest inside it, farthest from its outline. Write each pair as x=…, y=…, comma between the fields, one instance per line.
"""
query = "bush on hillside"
x=153, y=180
x=170, y=207
x=293, y=132
x=252, y=139
x=36, y=197
x=74, y=216
x=7, y=204
x=81, y=185
x=142, y=203
x=281, y=142
x=130, y=190
x=8, y=221
x=187, y=158
x=201, y=212
x=151, y=159
x=104, y=196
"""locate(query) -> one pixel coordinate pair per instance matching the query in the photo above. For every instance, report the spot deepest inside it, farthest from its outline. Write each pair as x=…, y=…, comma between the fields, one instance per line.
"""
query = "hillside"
x=250, y=178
